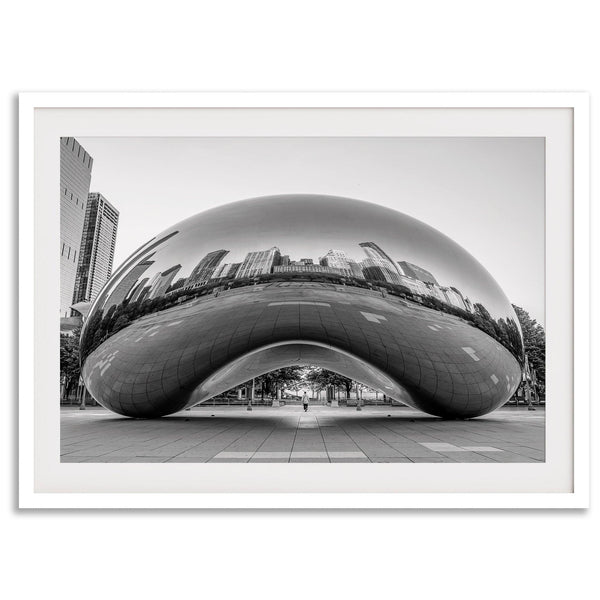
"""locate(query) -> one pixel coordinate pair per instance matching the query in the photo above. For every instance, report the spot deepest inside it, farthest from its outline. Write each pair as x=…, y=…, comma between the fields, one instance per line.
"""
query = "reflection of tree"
x=504, y=331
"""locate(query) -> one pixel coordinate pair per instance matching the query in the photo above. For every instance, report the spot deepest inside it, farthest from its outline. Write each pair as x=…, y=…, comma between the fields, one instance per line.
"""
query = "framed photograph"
x=304, y=300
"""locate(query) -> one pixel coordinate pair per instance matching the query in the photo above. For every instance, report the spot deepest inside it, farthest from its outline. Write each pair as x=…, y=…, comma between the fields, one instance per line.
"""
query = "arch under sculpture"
x=245, y=288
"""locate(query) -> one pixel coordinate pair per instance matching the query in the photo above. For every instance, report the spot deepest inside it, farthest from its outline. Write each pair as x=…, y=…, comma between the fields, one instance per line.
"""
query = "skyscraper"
x=163, y=282
x=377, y=269
x=416, y=272
x=97, y=249
x=337, y=259
x=416, y=286
x=259, y=263
x=126, y=284
x=75, y=175
x=206, y=267
x=373, y=251
x=227, y=270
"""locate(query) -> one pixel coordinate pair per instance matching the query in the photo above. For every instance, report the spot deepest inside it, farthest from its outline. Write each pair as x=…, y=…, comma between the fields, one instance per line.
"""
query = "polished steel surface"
x=242, y=289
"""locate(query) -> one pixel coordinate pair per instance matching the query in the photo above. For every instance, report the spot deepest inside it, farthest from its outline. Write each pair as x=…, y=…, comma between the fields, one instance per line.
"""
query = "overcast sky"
x=487, y=194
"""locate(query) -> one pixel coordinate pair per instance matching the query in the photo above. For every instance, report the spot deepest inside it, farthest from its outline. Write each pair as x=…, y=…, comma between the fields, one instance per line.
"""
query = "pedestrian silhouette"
x=305, y=401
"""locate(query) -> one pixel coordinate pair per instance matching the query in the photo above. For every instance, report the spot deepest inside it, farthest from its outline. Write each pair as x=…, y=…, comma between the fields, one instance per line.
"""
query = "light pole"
x=79, y=389
x=251, y=397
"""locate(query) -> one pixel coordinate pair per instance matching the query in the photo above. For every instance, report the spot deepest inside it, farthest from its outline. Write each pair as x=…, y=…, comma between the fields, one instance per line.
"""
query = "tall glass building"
x=97, y=250
x=75, y=175
x=206, y=267
x=258, y=263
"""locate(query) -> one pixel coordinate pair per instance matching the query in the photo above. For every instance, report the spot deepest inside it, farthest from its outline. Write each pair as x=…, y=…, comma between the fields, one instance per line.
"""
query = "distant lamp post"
x=81, y=389
x=528, y=379
x=251, y=396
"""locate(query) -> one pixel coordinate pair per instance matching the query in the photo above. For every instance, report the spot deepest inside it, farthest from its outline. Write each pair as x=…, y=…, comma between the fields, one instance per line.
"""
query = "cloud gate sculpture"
x=256, y=285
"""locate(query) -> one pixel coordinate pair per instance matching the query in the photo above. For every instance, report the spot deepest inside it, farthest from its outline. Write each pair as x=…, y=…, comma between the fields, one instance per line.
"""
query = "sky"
x=487, y=194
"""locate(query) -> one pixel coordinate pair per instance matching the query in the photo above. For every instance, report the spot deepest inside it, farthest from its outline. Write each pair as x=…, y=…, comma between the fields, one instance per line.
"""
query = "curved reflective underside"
x=252, y=286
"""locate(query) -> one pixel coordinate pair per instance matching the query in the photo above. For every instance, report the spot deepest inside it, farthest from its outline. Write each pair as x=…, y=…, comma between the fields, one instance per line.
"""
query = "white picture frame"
x=562, y=481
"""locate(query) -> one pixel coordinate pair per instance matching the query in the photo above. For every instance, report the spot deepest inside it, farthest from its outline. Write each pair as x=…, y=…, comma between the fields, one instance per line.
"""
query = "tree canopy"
x=69, y=360
x=534, y=338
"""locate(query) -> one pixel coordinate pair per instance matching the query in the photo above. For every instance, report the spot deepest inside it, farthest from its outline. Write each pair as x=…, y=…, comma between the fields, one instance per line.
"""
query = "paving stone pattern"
x=287, y=434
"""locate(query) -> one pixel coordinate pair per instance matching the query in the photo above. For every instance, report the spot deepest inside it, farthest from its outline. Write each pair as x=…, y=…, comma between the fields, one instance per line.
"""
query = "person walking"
x=305, y=401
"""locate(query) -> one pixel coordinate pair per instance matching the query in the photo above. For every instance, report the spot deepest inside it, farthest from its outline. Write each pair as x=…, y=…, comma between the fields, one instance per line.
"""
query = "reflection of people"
x=305, y=401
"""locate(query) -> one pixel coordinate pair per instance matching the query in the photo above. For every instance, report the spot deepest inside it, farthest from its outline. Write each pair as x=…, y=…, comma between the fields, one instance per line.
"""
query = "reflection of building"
x=337, y=259
x=469, y=305
x=259, y=263
x=137, y=290
x=415, y=285
x=75, y=175
x=162, y=281
x=372, y=250
x=131, y=263
x=177, y=285
x=378, y=266
x=307, y=268
x=207, y=265
x=355, y=269
x=126, y=284
x=435, y=292
x=97, y=249
x=454, y=297
x=416, y=272
x=376, y=269
x=226, y=271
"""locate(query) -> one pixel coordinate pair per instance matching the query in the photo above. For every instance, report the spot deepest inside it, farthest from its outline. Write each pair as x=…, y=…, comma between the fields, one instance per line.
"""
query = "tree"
x=69, y=361
x=321, y=378
x=534, y=338
x=278, y=379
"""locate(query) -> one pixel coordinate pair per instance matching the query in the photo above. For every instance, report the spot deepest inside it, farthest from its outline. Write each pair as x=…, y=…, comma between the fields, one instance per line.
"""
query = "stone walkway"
x=287, y=434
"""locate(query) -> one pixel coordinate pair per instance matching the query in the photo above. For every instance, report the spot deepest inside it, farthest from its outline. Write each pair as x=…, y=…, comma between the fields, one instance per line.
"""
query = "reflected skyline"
x=316, y=238
x=377, y=267
x=249, y=237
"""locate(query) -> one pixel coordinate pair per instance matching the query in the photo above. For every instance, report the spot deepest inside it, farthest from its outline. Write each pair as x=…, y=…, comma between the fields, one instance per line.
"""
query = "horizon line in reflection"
x=377, y=266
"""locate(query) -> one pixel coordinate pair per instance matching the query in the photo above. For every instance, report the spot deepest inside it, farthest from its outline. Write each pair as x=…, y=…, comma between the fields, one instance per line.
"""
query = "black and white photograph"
x=302, y=300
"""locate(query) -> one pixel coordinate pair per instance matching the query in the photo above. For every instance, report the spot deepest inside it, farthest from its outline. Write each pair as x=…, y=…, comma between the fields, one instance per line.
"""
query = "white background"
x=346, y=46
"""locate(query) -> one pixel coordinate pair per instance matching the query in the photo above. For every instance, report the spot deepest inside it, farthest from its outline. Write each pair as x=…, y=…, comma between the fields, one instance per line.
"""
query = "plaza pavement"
x=287, y=434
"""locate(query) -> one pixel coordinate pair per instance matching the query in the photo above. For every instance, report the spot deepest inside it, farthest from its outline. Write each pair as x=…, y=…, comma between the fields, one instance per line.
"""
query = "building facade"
x=308, y=268
x=163, y=281
x=416, y=272
x=416, y=286
x=337, y=259
x=377, y=269
x=259, y=263
x=128, y=282
x=75, y=176
x=226, y=271
x=97, y=250
x=207, y=265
